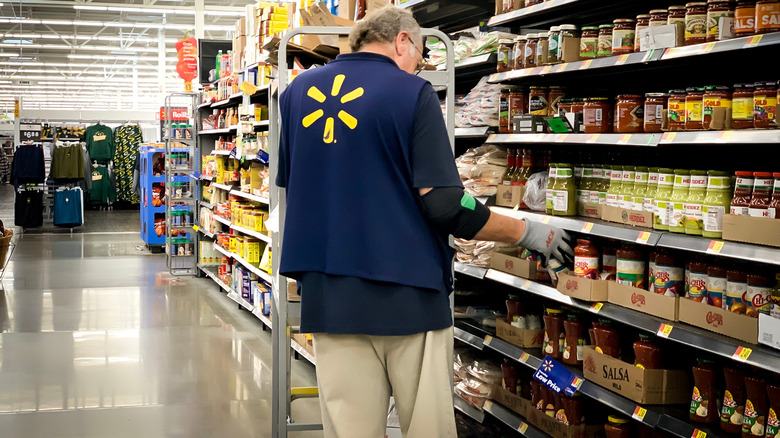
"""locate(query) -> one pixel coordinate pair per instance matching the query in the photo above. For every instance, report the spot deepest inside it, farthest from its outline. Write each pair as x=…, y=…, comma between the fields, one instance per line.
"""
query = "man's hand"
x=548, y=241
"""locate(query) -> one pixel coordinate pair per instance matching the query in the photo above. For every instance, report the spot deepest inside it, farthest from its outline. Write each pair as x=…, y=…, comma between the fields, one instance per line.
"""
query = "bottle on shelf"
x=218, y=65
x=682, y=183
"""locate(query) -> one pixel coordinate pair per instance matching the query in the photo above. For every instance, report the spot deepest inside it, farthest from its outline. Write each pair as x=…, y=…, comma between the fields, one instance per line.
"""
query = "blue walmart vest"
x=351, y=206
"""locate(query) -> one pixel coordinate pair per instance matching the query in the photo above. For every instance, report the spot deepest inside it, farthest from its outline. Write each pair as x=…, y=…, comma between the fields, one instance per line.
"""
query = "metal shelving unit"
x=747, y=136
x=513, y=420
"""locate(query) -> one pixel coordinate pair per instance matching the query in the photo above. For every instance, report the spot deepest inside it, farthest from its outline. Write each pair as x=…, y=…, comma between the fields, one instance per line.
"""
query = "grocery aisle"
x=99, y=341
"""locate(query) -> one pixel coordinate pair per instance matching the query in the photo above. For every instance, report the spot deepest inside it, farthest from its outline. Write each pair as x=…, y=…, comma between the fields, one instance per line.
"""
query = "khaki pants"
x=357, y=374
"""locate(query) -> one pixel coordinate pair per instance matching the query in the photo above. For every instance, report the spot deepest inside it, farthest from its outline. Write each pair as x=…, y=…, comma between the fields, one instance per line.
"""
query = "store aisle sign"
x=175, y=114
x=187, y=67
x=557, y=377
x=30, y=132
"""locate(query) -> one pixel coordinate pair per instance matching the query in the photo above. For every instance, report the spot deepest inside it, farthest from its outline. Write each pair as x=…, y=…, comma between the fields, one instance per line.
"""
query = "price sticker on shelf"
x=546, y=70
x=707, y=47
x=524, y=357
x=715, y=247
x=526, y=284
x=523, y=427
x=698, y=434
x=665, y=330
x=596, y=307
x=561, y=137
x=624, y=139
x=586, y=64
x=562, y=67
x=644, y=236
x=488, y=404
x=753, y=41
x=668, y=137
x=488, y=340
x=621, y=59
x=196, y=228
x=742, y=354
x=586, y=227
x=546, y=219
x=639, y=413
x=593, y=138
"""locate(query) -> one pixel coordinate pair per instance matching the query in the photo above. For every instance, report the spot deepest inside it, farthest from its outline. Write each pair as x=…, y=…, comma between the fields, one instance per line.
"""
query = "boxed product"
x=660, y=37
x=769, y=331
x=511, y=401
x=590, y=210
x=557, y=429
x=644, y=301
x=758, y=230
x=641, y=385
x=292, y=291
x=523, y=338
x=508, y=5
x=509, y=196
x=513, y=265
x=715, y=319
x=619, y=215
x=583, y=288
x=257, y=295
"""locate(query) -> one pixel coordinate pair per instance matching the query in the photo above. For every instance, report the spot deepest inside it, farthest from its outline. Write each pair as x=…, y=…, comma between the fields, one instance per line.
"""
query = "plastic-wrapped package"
x=487, y=43
x=463, y=48
x=466, y=246
x=536, y=191
x=479, y=107
x=437, y=51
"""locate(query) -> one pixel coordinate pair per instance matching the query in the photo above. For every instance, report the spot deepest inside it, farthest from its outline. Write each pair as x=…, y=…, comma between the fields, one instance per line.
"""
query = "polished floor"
x=99, y=341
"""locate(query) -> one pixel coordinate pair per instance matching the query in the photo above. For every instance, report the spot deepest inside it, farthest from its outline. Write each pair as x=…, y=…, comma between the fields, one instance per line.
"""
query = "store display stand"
x=286, y=315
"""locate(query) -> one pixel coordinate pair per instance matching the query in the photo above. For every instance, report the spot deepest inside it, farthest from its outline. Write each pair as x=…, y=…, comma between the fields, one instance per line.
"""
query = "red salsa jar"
x=767, y=16
x=574, y=340
x=704, y=407
x=715, y=96
x=642, y=22
x=629, y=114
x=607, y=338
x=764, y=105
x=694, y=102
x=618, y=427
x=597, y=115
x=647, y=353
x=676, y=110
x=623, y=36
x=733, y=401
x=655, y=104
x=554, y=336
x=742, y=106
x=745, y=18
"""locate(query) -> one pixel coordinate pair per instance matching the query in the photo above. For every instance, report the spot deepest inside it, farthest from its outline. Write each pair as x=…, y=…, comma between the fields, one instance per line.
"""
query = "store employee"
x=372, y=195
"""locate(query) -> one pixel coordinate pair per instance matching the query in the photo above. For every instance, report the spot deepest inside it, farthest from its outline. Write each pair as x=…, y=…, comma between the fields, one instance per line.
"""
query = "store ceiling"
x=98, y=54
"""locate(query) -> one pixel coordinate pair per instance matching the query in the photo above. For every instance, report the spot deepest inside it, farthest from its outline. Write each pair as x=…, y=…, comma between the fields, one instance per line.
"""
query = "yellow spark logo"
x=547, y=366
x=345, y=117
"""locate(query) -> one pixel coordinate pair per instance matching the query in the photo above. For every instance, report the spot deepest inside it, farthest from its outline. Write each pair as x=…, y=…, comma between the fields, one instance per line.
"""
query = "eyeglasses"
x=421, y=64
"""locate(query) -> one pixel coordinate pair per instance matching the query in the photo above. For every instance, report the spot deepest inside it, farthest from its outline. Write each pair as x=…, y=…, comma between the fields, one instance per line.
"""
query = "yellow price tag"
x=708, y=47
x=546, y=220
x=523, y=427
x=587, y=227
x=488, y=340
x=561, y=137
x=742, y=354
x=753, y=41
x=546, y=69
x=669, y=136
x=562, y=67
x=725, y=135
x=715, y=246
x=639, y=413
x=196, y=228
x=524, y=357
x=624, y=139
x=593, y=138
x=665, y=330
x=622, y=59
x=644, y=236
x=586, y=64
x=526, y=283
x=595, y=307
x=698, y=434
x=248, y=88
x=488, y=404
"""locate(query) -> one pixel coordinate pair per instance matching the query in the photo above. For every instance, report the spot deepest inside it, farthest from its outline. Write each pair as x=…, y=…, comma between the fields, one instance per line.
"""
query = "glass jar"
x=529, y=55
x=716, y=203
x=676, y=15
x=577, y=106
x=682, y=182
x=694, y=218
x=659, y=17
x=676, y=110
x=623, y=35
x=715, y=96
x=506, y=178
x=652, y=189
x=773, y=412
x=554, y=98
x=589, y=42
x=668, y=274
x=655, y=104
x=538, y=102
x=662, y=200
x=586, y=259
x=774, y=204
x=567, y=31
x=629, y=114
x=641, y=178
x=717, y=9
x=504, y=55
x=605, y=41
x=716, y=284
x=517, y=106
x=755, y=407
x=503, y=111
x=541, y=49
x=518, y=52
x=764, y=105
x=759, y=293
x=553, y=175
x=704, y=406
x=742, y=106
x=615, y=186
x=767, y=16
x=553, y=37
x=564, y=192
x=597, y=115
x=762, y=194
x=626, y=194
x=745, y=18
x=608, y=262
x=642, y=22
x=618, y=427
x=554, y=336
x=631, y=266
x=696, y=280
x=736, y=288
x=647, y=354
x=743, y=192
x=694, y=100
x=695, y=23
x=572, y=407
x=574, y=339
x=607, y=338
x=731, y=414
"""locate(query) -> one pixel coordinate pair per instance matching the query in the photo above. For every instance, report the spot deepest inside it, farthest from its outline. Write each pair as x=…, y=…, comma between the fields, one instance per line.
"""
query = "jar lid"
x=766, y=84
x=676, y=8
x=641, y=169
x=568, y=27
x=537, y=87
x=653, y=170
x=629, y=96
x=717, y=173
x=658, y=11
x=617, y=420
x=564, y=165
x=698, y=172
x=544, y=34
x=506, y=90
x=743, y=173
x=677, y=91
x=776, y=175
x=555, y=29
x=656, y=95
x=643, y=16
x=695, y=4
x=557, y=87
x=719, y=1
x=624, y=20
x=644, y=336
x=606, y=26
x=554, y=311
x=665, y=170
x=762, y=174
x=504, y=41
x=682, y=172
x=596, y=99
x=521, y=38
x=694, y=89
x=590, y=28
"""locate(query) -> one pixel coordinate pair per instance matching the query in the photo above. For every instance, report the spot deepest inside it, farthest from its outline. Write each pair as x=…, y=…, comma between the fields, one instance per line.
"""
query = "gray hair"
x=382, y=26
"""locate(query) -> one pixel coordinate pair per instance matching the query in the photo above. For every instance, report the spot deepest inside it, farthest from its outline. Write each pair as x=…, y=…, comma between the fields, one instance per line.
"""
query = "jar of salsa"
x=676, y=113
x=503, y=111
x=629, y=114
x=574, y=340
x=669, y=274
x=518, y=52
x=716, y=203
x=660, y=17
x=655, y=104
x=541, y=48
x=717, y=9
x=607, y=338
x=695, y=23
x=647, y=353
x=764, y=104
x=754, y=420
x=554, y=98
x=572, y=407
x=564, y=192
x=693, y=217
x=704, y=407
x=537, y=101
x=605, y=41
x=618, y=427
x=762, y=194
x=758, y=296
x=731, y=414
x=586, y=259
x=553, y=37
x=773, y=418
x=589, y=42
x=662, y=200
x=597, y=115
x=504, y=55
x=745, y=18
x=694, y=101
x=736, y=288
x=743, y=192
x=767, y=16
x=631, y=266
x=569, y=31
x=554, y=336
x=608, y=262
x=677, y=16
x=682, y=185
x=517, y=106
x=623, y=35
x=742, y=106
x=715, y=96
x=696, y=281
x=774, y=203
x=529, y=55
x=642, y=22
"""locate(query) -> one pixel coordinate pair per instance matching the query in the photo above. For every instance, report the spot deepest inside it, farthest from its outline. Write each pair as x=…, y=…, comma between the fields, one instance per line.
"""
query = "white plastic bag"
x=535, y=196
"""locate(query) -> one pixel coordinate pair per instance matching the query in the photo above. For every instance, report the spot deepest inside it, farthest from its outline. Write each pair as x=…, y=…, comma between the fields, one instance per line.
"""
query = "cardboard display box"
x=590, y=210
x=509, y=196
x=510, y=401
x=583, y=288
x=640, y=385
x=319, y=15
x=758, y=230
x=513, y=265
x=769, y=331
x=555, y=428
x=292, y=291
x=306, y=341
x=644, y=301
x=661, y=37
x=715, y=319
x=619, y=215
x=519, y=337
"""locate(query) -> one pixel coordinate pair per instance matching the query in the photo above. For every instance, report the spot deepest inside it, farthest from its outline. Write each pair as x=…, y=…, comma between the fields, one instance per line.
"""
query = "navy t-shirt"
x=352, y=305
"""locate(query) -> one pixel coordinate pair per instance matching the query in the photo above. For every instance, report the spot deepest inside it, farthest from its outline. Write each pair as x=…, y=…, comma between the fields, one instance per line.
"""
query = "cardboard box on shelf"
x=511, y=401
x=583, y=288
x=240, y=28
x=590, y=210
x=715, y=319
x=656, y=387
x=619, y=215
x=769, y=331
x=292, y=291
x=523, y=338
x=318, y=15
x=758, y=230
x=555, y=428
x=305, y=341
x=660, y=37
x=513, y=265
x=570, y=49
x=644, y=301
x=509, y=196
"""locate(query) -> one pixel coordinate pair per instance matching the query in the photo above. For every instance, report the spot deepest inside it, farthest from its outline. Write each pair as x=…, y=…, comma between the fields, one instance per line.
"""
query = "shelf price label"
x=742, y=354
x=586, y=227
x=715, y=247
x=546, y=220
x=621, y=59
x=586, y=64
x=669, y=137
x=593, y=138
x=526, y=284
x=644, y=236
x=524, y=357
x=725, y=135
x=753, y=41
x=624, y=139
x=196, y=228
x=562, y=67
x=665, y=330
x=488, y=404
x=698, y=434
x=561, y=137
x=708, y=47
x=596, y=307
x=523, y=427
x=546, y=70
x=488, y=340
x=639, y=413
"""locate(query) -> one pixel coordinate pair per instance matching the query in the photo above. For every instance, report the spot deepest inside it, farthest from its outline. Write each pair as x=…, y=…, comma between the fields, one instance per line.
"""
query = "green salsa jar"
x=652, y=189
x=640, y=188
x=661, y=208
x=682, y=184
x=694, y=221
x=716, y=203
x=615, y=186
x=550, y=184
x=626, y=194
x=564, y=192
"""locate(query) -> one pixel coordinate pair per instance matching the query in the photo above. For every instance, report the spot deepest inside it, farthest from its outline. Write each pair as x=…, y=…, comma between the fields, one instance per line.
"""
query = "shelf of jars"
x=746, y=136
x=529, y=11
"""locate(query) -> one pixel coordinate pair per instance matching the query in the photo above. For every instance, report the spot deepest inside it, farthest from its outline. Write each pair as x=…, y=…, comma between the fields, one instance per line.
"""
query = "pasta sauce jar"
x=537, y=101
x=715, y=97
x=695, y=23
x=745, y=18
x=642, y=22
x=605, y=41
x=597, y=115
x=589, y=42
x=659, y=17
x=629, y=114
x=655, y=104
x=764, y=105
x=623, y=35
x=529, y=55
x=676, y=15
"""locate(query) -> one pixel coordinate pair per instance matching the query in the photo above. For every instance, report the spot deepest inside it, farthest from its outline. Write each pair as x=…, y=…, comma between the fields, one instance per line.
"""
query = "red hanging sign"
x=187, y=67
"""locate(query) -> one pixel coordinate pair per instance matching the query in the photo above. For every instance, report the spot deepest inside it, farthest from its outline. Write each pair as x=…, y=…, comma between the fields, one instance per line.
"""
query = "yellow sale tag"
x=622, y=59
x=644, y=236
x=488, y=340
x=196, y=228
x=698, y=434
x=593, y=138
x=248, y=88
x=715, y=246
x=753, y=41
x=526, y=283
x=665, y=330
x=586, y=64
x=546, y=220
x=669, y=136
x=639, y=413
x=595, y=307
x=587, y=227
x=523, y=427
x=624, y=138
x=725, y=135
x=524, y=357
x=488, y=404
x=742, y=354
x=562, y=67
x=708, y=47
